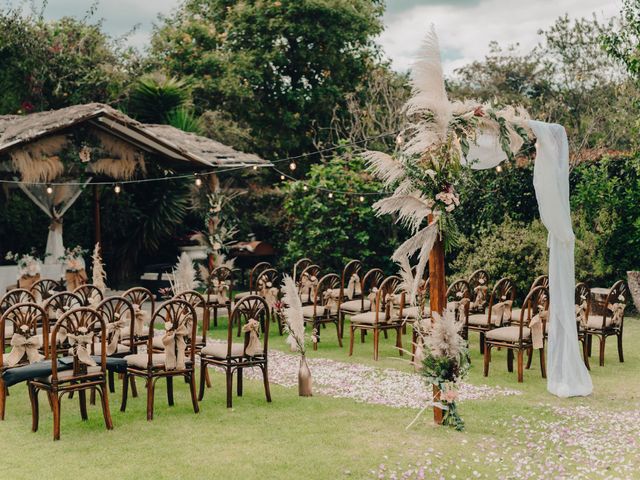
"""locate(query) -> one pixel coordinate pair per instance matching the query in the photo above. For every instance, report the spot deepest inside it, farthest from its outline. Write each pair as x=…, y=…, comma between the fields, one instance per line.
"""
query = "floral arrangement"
x=183, y=276
x=73, y=259
x=444, y=363
x=28, y=264
x=433, y=156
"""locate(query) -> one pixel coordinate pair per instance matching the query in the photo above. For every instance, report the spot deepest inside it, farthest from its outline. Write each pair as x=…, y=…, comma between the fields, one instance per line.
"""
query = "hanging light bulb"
x=117, y=188
x=499, y=168
x=255, y=167
x=282, y=177
x=330, y=194
x=49, y=189
x=198, y=182
x=292, y=166
x=362, y=198
x=305, y=188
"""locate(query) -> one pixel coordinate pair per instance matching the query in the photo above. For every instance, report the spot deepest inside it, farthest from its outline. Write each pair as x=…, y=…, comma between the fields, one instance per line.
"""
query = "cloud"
x=465, y=28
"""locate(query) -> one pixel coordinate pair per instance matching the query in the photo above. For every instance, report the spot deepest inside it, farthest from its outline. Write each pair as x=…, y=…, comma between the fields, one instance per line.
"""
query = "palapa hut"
x=56, y=154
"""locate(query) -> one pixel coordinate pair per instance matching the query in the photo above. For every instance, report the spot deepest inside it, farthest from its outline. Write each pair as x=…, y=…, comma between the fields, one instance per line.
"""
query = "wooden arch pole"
x=97, y=233
x=438, y=302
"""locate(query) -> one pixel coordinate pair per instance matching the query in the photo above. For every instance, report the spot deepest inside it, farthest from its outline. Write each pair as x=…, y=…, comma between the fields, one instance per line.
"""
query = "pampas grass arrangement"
x=38, y=161
x=98, y=275
x=123, y=162
x=183, y=276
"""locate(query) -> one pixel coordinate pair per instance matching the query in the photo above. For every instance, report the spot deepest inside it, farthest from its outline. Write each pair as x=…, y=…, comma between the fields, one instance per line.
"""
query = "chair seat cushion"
x=412, y=313
x=595, y=322
x=125, y=332
x=307, y=310
x=515, y=314
x=140, y=360
x=97, y=348
x=369, y=318
x=354, y=306
x=67, y=374
x=240, y=295
x=478, y=319
x=220, y=350
x=508, y=334
x=8, y=330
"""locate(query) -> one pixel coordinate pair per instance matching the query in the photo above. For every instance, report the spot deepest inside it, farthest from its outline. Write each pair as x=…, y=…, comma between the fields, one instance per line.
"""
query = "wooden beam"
x=96, y=216
x=437, y=279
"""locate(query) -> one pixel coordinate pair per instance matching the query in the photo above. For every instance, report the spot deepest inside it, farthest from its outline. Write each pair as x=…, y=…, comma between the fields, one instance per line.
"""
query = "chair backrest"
x=535, y=303
x=24, y=318
x=351, y=273
x=541, y=281
x=372, y=279
x=388, y=297
x=79, y=328
x=504, y=290
x=139, y=296
x=60, y=303
x=223, y=275
x=255, y=272
x=118, y=315
x=299, y=267
x=180, y=321
x=618, y=295
x=15, y=296
x=327, y=293
x=582, y=302
x=45, y=288
x=459, y=291
x=89, y=293
x=250, y=308
x=269, y=275
x=477, y=278
x=310, y=276
x=196, y=300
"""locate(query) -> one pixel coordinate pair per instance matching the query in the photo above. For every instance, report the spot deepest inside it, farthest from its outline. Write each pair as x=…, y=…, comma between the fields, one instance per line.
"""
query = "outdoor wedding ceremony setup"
x=438, y=260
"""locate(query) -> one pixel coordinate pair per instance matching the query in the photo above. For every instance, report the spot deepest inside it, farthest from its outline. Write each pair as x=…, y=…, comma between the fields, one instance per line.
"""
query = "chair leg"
x=192, y=388
x=92, y=397
x=341, y=318
x=487, y=359
x=170, y=390
x=520, y=366
x=3, y=398
x=239, y=383
x=481, y=342
x=585, y=354
x=589, y=343
x=104, y=400
x=203, y=374
x=207, y=377
x=150, y=392
x=529, y=358
x=509, y=359
x=603, y=340
x=316, y=329
x=363, y=333
x=215, y=317
x=265, y=379
x=125, y=391
x=386, y=335
x=543, y=365
x=134, y=387
x=112, y=383
x=376, y=340
x=339, y=333
x=399, y=340
x=620, y=354
x=55, y=406
x=35, y=408
x=82, y=397
x=351, y=339
x=229, y=388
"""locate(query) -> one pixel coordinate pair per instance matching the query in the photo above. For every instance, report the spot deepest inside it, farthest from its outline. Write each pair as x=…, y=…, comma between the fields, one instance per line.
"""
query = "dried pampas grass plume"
x=38, y=161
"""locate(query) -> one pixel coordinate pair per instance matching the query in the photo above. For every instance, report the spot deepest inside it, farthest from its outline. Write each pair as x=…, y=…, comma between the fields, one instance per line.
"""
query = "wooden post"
x=437, y=279
x=96, y=216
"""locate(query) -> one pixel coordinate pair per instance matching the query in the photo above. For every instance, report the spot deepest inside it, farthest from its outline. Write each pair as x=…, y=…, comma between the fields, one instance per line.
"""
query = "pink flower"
x=450, y=396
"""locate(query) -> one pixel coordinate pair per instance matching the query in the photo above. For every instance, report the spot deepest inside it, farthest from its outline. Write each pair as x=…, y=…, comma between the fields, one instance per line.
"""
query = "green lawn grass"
x=293, y=437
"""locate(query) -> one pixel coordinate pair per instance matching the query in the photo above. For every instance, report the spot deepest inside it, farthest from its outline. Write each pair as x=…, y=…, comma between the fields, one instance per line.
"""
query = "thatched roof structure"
x=172, y=147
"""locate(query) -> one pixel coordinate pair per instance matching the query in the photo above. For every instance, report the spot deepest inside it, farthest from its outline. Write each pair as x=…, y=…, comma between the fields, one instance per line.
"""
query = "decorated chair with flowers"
x=385, y=315
x=45, y=288
x=15, y=296
x=266, y=285
x=583, y=308
x=308, y=283
x=479, y=286
x=251, y=314
x=90, y=295
x=255, y=272
x=498, y=313
x=527, y=334
x=59, y=304
x=219, y=292
x=79, y=327
x=540, y=281
x=23, y=320
x=611, y=321
x=179, y=321
x=324, y=307
x=144, y=304
x=361, y=303
x=458, y=303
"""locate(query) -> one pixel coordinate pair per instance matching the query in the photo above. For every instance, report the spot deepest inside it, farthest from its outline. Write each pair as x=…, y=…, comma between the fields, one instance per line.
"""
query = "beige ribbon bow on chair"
x=481, y=294
x=372, y=298
x=114, y=333
x=500, y=311
x=617, y=313
x=175, y=346
x=79, y=343
x=581, y=314
x=22, y=344
x=536, y=325
x=254, y=347
x=353, y=286
x=141, y=317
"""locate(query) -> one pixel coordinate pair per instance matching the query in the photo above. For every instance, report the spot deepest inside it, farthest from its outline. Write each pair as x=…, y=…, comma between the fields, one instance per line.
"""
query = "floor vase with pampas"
x=304, y=378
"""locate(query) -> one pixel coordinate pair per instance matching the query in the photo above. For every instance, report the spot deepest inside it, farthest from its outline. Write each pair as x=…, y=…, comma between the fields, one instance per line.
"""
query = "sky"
x=465, y=27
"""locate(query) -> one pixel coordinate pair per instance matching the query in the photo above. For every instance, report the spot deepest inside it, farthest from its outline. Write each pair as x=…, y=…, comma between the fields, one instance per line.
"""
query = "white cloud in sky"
x=466, y=30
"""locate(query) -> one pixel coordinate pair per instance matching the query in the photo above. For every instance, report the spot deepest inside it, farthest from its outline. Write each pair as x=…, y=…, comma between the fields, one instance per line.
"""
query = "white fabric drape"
x=567, y=375
x=54, y=205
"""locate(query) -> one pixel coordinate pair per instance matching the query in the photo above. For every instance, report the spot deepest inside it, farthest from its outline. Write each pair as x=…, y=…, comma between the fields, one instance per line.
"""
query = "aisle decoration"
x=183, y=276
x=290, y=311
x=29, y=268
x=98, y=275
x=74, y=267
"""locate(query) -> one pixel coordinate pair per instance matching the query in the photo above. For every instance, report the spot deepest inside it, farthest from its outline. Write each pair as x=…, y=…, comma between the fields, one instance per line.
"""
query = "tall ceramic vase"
x=304, y=378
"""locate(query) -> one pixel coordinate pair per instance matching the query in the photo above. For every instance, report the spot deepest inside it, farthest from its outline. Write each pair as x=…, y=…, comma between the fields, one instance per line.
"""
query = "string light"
x=198, y=182
x=117, y=188
x=362, y=198
x=255, y=167
x=282, y=177
x=49, y=189
x=292, y=166
x=330, y=194
x=305, y=188
x=499, y=168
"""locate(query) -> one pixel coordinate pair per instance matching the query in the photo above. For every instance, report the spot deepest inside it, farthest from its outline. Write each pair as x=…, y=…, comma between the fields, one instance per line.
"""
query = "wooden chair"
x=13, y=297
x=79, y=326
x=519, y=337
x=324, y=308
x=361, y=303
x=24, y=319
x=611, y=322
x=458, y=302
x=583, y=307
x=220, y=293
x=89, y=294
x=61, y=303
x=308, y=283
x=299, y=267
x=411, y=313
x=45, y=288
x=478, y=284
x=178, y=359
x=500, y=304
x=266, y=287
x=140, y=297
x=253, y=275
x=540, y=281
x=252, y=314
x=383, y=316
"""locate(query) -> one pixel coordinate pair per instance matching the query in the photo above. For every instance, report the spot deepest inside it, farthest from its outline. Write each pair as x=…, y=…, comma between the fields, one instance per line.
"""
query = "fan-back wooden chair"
x=90, y=295
x=362, y=302
x=254, y=273
x=299, y=267
x=144, y=305
x=479, y=286
x=45, y=288
x=219, y=293
x=308, y=283
x=499, y=311
x=324, y=307
x=583, y=309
